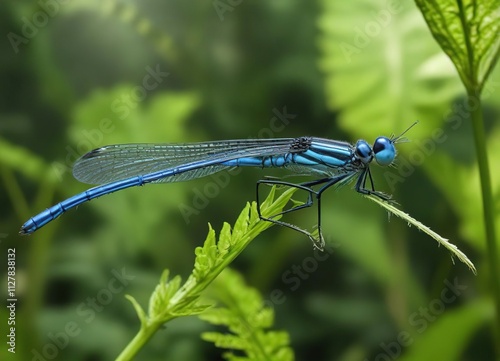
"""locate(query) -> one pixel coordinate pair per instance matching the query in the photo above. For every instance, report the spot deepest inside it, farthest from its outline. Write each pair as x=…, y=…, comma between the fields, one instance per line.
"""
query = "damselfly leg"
x=361, y=186
x=318, y=241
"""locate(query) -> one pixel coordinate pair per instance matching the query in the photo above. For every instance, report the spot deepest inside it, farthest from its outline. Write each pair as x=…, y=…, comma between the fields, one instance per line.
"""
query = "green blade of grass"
x=412, y=221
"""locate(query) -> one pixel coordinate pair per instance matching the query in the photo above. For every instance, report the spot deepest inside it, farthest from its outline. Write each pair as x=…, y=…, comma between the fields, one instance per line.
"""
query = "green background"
x=72, y=79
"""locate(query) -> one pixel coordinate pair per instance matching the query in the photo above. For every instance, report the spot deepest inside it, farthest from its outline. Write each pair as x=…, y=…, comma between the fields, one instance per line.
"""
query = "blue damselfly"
x=331, y=162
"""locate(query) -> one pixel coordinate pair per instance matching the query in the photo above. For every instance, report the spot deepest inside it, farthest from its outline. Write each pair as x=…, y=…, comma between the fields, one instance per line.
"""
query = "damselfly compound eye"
x=364, y=151
x=384, y=151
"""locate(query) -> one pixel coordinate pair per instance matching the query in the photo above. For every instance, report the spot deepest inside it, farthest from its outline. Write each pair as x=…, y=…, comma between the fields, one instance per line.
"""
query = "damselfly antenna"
x=400, y=138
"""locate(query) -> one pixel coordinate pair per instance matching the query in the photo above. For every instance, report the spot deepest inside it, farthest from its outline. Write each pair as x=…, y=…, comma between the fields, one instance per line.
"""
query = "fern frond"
x=170, y=300
x=247, y=319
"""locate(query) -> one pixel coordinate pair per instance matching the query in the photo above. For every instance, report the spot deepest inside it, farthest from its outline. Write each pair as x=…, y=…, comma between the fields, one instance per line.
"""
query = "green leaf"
x=247, y=318
x=160, y=299
x=224, y=239
x=205, y=256
x=241, y=225
x=467, y=31
x=382, y=68
x=271, y=207
x=225, y=341
x=412, y=221
x=138, y=309
x=390, y=78
x=192, y=310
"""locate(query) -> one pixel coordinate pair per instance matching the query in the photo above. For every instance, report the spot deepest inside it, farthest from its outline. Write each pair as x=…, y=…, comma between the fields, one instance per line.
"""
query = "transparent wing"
x=318, y=170
x=116, y=162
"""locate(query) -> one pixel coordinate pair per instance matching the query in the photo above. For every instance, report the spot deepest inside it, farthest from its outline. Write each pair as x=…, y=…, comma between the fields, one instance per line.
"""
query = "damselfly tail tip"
x=27, y=228
x=24, y=232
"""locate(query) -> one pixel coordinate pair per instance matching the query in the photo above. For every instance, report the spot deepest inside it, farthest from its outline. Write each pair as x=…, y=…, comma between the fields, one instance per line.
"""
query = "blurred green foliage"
x=75, y=79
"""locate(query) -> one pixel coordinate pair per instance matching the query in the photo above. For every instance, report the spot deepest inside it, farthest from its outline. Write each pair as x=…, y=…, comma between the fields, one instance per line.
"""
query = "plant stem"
x=140, y=339
x=488, y=210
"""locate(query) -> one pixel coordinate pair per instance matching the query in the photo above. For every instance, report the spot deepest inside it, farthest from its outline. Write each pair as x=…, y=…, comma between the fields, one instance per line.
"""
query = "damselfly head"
x=384, y=151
